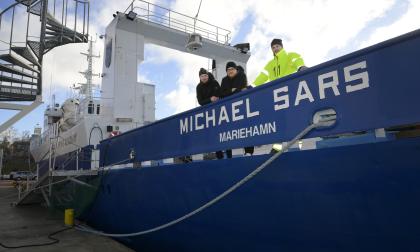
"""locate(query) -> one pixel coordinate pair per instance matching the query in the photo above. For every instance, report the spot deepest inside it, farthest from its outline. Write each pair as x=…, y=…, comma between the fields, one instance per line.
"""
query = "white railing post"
x=19, y=190
x=27, y=183
x=148, y=12
x=37, y=172
x=77, y=159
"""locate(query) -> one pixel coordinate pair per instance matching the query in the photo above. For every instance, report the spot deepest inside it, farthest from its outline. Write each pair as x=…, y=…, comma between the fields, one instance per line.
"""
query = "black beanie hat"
x=230, y=64
x=202, y=71
x=276, y=41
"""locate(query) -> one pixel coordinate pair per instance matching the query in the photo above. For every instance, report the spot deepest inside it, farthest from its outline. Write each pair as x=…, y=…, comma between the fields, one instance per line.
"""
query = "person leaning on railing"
x=281, y=65
x=234, y=82
x=208, y=91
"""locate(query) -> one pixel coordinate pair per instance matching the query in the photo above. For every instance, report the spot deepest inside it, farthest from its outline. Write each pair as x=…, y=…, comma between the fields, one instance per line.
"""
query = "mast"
x=86, y=88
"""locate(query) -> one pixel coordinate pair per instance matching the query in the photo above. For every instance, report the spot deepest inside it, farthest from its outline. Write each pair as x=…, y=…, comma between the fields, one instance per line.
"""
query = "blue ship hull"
x=350, y=198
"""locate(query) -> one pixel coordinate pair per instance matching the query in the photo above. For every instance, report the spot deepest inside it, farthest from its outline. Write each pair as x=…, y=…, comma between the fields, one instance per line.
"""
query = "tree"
x=16, y=155
x=11, y=134
x=4, y=144
x=26, y=135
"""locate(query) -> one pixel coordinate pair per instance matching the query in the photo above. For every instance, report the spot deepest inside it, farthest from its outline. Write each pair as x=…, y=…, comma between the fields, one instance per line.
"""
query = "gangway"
x=42, y=189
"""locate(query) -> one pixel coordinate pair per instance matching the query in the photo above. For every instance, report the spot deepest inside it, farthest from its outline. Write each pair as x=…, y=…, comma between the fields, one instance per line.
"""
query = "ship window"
x=108, y=53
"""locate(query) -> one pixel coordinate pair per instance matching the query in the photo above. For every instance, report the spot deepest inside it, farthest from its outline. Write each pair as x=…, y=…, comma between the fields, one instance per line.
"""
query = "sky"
x=319, y=30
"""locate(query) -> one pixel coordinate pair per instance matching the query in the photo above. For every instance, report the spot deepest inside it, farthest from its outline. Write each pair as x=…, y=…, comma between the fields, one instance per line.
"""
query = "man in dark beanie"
x=281, y=65
x=208, y=91
x=230, y=64
x=277, y=42
x=232, y=83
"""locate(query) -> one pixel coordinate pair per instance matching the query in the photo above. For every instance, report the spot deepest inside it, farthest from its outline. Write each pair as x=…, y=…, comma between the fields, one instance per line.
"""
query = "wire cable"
x=196, y=16
x=50, y=236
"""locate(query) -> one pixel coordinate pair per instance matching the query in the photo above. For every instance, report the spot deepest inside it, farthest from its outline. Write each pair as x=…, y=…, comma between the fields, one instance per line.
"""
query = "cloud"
x=143, y=78
x=311, y=28
x=62, y=65
x=102, y=11
x=102, y=16
x=221, y=13
x=408, y=22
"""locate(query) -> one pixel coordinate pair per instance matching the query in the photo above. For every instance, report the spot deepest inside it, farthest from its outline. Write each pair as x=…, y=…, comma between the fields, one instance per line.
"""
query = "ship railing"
x=178, y=21
x=73, y=157
x=50, y=132
x=77, y=160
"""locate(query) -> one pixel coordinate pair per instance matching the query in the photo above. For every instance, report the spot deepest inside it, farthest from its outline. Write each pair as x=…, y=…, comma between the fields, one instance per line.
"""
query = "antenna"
x=86, y=88
x=195, y=41
x=196, y=16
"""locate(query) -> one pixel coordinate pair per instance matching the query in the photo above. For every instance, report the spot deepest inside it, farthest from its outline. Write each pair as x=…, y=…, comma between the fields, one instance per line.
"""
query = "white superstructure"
x=84, y=120
x=126, y=103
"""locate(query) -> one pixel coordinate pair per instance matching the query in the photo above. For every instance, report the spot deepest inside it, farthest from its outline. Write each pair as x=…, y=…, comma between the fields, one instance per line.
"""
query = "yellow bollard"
x=69, y=217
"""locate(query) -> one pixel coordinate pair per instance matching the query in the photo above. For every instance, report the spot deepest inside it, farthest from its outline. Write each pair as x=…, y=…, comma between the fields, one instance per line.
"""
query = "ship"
x=346, y=178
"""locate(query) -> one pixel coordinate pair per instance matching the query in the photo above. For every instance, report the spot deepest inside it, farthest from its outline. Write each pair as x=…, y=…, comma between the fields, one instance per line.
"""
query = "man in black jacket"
x=234, y=82
x=208, y=91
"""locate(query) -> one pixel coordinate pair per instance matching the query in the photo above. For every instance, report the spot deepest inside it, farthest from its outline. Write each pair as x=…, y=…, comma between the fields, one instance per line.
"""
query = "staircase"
x=21, y=62
x=48, y=24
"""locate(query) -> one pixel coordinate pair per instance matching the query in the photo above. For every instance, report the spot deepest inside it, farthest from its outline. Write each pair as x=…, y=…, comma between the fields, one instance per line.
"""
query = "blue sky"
x=317, y=29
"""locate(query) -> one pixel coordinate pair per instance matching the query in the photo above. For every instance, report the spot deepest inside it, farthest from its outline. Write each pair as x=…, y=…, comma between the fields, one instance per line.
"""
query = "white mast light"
x=195, y=42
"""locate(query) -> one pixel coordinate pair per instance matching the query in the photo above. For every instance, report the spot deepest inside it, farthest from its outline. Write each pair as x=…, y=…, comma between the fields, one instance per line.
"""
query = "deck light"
x=131, y=15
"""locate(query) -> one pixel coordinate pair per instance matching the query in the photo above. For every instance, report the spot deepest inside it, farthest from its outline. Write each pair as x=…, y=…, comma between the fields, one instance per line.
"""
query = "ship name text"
x=355, y=78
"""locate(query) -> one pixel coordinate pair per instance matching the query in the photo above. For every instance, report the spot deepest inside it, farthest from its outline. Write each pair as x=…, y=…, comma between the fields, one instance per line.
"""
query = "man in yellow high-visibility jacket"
x=283, y=64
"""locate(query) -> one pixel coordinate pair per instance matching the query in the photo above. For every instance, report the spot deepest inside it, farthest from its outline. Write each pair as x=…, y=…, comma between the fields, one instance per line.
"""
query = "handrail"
x=13, y=5
x=8, y=8
x=169, y=21
x=176, y=21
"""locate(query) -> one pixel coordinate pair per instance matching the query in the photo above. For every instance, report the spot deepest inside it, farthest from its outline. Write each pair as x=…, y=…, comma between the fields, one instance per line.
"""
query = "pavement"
x=32, y=224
